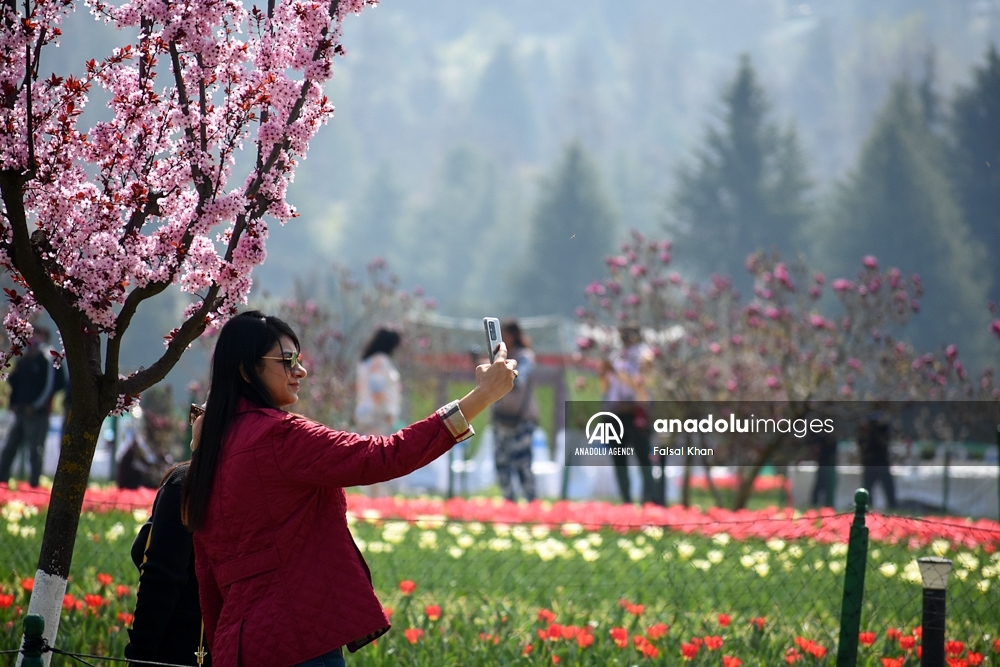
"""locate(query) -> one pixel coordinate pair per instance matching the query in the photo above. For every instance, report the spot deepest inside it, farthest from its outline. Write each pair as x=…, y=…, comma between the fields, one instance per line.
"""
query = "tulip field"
x=483, y=582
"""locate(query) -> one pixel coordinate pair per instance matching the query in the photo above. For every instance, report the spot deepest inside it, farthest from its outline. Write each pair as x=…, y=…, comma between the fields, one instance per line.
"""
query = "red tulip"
x=656, y=630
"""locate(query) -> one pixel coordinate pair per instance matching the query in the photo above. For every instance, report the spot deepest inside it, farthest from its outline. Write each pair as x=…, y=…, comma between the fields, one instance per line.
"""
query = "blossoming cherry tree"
x=96, y=220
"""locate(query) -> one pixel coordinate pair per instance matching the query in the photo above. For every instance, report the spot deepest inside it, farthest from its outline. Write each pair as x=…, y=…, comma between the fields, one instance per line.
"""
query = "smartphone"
x=493, y=339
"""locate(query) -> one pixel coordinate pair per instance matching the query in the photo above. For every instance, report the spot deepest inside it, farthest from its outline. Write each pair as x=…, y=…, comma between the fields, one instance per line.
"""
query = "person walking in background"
x=280, y=578
x=515, y=418
x=874, y=437
x=379, y=394
x=624, y=379
x=825, y=452
x=166, y=625
x=33, y=382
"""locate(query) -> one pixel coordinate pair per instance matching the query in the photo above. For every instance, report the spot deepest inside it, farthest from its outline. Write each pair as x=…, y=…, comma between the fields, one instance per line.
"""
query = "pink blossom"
x=637, y=270
x=580, y=312
x=817, y=321
x=583, y=343
x=819, y=278
x=815, y=292
x=773, y=382
x=772, y=313
x=781, y=273
x=675, y=278
x=632, y=300
x=594, y=288
x=712, y=373
x=915, y=305
x=732, y=385
x=842, y=285
x=951, y=352
x=854, y=363
x=736, y=339
x=665, y=257
x=870, y=262
x=894, y=278
x=995, y=327
x=715, y=348
x=613, y=286
x=845, y=390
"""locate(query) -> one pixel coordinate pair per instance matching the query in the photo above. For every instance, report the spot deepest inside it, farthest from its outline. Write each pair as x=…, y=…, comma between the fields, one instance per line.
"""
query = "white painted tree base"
x=46, y=601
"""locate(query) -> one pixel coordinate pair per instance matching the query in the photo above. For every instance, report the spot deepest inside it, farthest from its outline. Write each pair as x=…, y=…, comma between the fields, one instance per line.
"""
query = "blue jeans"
x=334, y=658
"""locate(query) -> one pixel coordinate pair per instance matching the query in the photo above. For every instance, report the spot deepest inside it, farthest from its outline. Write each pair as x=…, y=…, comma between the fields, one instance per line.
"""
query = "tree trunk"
x=753, y=470
x=76, y=454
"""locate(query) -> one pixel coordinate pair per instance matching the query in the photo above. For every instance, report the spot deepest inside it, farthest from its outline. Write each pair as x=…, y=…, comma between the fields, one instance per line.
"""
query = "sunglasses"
x=289, y=361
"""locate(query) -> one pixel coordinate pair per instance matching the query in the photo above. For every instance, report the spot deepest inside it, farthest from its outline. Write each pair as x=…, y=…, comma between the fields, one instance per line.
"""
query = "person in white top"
x=379, y=392
x=625, y=391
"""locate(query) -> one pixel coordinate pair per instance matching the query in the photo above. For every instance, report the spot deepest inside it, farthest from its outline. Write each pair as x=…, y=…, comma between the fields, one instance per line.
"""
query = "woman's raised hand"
x=493, y=381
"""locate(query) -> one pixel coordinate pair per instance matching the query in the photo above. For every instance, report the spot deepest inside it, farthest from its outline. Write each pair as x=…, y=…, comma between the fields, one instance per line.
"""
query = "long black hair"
x=384, y=340
x=242, y=341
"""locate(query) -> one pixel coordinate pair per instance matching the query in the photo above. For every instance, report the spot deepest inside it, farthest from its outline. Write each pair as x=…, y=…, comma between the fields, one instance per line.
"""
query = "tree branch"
x=193, y=327
x=29, y=113
x=23, y=258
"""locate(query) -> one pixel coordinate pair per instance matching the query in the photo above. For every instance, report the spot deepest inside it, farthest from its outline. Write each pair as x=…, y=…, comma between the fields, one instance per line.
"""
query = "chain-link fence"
x=482, y=582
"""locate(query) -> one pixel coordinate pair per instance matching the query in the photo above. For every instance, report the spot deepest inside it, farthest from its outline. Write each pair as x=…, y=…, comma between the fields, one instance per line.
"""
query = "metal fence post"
x=934, y=574
x=34, y=626
x=854, y=584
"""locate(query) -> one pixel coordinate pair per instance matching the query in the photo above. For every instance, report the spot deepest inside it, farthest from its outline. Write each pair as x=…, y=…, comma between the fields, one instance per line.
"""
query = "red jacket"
x=280, y=578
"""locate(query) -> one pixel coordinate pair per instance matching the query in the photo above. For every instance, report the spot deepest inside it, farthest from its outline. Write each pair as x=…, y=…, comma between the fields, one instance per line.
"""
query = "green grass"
x=494, y=580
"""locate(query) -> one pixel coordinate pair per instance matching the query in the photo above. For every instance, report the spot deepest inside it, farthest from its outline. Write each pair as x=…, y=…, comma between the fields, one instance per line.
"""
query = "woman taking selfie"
x=281, y=582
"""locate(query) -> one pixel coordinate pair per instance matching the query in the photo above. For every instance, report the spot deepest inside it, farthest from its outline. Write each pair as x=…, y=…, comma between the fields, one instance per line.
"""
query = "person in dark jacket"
x=166, y=625
x=33, y=382
x=874, y=438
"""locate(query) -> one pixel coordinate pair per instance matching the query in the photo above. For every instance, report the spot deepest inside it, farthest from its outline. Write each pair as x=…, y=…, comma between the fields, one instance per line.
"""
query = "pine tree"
x=974, y=158
x=368, y=232
x=504, y=118
x=571, y=232
x=898, y=206
x=747, y=188
x=437, y=245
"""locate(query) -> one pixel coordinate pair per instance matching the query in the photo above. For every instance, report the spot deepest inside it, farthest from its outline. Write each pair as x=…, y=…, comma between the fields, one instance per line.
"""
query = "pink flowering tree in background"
x=779, y=346
x=333, y=329
x=97, y=220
